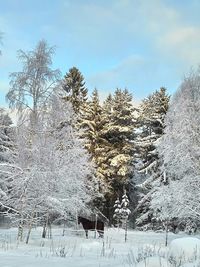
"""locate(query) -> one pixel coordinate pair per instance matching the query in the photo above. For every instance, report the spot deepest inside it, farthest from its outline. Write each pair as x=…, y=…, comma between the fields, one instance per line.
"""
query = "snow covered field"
x=73, y=250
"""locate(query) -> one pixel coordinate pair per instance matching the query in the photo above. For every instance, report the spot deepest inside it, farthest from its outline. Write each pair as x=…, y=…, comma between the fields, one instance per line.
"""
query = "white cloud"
x=127, y=65
x=112, y=27
x=172, y=32
x=182, y=43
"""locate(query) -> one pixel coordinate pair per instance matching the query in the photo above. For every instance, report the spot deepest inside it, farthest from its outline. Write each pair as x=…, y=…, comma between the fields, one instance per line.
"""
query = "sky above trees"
x=138, y=44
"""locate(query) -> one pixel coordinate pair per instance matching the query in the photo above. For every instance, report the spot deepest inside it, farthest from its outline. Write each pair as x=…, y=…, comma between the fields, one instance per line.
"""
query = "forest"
x=99, y=133
x=70, y=154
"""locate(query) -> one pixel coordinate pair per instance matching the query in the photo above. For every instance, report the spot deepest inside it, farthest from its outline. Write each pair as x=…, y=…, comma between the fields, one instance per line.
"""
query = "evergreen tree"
x=118, y=131
x=91, y=124
x=121, y=210
x=6, y=136
x=107, y=108
x=6, y=148
x=74, y=86
x=125, y=211
x=151, y=127
x=102, y=159
x=117, y=212
x=151, y=122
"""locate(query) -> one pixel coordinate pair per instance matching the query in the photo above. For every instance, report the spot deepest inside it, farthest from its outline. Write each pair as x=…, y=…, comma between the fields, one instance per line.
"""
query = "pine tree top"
x=74, y=86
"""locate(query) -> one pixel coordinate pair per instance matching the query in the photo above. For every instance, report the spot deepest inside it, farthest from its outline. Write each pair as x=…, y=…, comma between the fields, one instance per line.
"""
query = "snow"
x=193, y=264
x=184, y=249
x=74, y=250
x=154, y=262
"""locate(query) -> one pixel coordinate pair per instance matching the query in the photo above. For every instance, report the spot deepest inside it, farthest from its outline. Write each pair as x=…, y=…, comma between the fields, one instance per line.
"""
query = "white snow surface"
x=74, y=250
x=184, y=249
x=193, y=264
x=154, y=262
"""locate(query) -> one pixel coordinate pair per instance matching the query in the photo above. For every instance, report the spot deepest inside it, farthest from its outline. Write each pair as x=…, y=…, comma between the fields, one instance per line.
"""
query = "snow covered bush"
x=117, y=212
x=125, y=211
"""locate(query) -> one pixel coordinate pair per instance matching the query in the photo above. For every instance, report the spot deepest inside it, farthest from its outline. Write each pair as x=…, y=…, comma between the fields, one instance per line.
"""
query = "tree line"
x=69, y=153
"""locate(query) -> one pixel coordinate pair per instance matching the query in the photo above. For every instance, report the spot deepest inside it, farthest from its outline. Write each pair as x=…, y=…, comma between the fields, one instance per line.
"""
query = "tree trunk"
x=77, y=220
x=96, y=217
x=30, y=227
x=29, y=232
x=166, y=236
x=126, y=231
x=64, y=226
x=44, y=231
x=20, y=231
x=49, y=230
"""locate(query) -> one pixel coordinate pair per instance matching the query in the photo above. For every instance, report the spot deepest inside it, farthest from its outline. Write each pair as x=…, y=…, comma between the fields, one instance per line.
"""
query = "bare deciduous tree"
x=31, y=87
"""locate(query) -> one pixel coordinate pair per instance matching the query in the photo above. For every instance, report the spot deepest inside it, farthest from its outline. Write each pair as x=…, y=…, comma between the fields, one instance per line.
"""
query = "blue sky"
x=138, y=44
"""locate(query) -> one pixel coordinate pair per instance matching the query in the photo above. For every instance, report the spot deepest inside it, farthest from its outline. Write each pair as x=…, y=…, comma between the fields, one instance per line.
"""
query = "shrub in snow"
x=122, y=212
x=184, y=250
x=153, y=262
x=190, y=227
x=148, y=251
x=117, y=212
x=125, y=211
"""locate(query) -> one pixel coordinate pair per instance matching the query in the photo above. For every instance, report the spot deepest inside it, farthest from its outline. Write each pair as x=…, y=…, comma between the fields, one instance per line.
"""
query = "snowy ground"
x=73, y=250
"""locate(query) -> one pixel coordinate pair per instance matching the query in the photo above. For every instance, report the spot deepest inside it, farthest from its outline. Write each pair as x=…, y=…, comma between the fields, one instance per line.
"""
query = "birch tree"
x=31, y=87
x=48, y=182
x=179, y=149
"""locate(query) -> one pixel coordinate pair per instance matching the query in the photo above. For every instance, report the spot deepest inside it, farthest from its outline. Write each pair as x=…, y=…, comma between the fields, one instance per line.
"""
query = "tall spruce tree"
x=88, y=122
x=151, y=127
x=119, y=133
x=74, y=86
x=104, y=148
x=91, y=124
